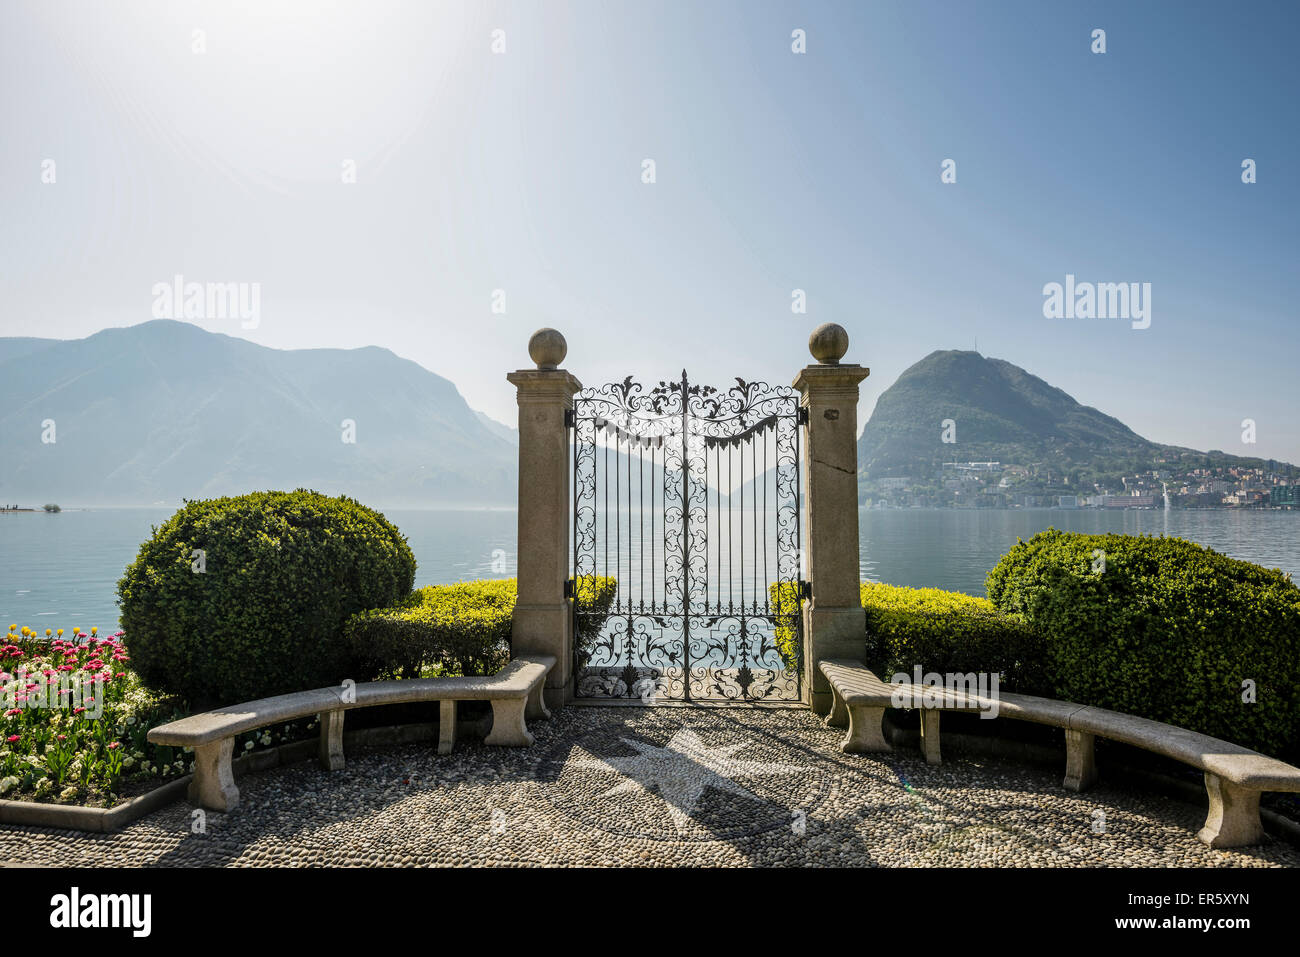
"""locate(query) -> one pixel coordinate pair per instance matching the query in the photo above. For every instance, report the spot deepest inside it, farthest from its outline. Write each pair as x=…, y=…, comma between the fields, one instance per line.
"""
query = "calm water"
x=951, y=548
x=62, y=570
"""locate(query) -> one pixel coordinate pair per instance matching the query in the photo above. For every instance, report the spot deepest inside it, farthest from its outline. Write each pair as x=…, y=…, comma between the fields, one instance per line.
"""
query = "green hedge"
x=456, y=629
x=941, y=631
x=1166, y=629
x=786, y=606
x=453, y=629
x=594, y=595
x=949, y=632
x=281, y=573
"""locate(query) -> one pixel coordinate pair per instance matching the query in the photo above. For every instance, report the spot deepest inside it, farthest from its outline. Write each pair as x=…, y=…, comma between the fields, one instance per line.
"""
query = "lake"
x=61, y=571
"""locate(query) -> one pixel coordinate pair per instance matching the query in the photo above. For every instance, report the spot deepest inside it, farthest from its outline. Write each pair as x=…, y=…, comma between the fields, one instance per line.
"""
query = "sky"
x=514, y=178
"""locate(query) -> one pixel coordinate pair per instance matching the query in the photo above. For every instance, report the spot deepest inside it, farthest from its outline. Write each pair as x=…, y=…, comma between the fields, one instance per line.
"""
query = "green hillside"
x=1002, y=413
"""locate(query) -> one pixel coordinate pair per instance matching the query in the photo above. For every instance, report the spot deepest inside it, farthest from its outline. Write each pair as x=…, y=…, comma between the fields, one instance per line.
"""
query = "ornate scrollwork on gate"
x=688, y=497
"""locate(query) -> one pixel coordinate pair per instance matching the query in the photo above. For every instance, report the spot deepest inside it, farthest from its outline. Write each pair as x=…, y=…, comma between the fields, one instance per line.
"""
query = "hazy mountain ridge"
x=166, y=410
x=499, y=429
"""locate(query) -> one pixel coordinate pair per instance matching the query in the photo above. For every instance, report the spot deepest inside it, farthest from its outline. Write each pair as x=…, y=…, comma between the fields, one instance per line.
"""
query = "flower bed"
x=75, y=719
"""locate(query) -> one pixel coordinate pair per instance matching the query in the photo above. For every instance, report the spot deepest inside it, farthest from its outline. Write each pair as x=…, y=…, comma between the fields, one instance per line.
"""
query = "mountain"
x=15, y=347
x=1001, y=413
x=165, y=410
x=496, y=428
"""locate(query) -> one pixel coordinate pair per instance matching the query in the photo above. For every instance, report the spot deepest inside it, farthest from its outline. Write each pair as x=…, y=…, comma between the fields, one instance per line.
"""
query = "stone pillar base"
x=829, y=633
x=558, y=697
x=545, y=630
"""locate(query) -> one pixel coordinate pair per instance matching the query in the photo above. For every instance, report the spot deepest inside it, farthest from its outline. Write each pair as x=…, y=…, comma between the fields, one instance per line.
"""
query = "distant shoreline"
x=1078, y=508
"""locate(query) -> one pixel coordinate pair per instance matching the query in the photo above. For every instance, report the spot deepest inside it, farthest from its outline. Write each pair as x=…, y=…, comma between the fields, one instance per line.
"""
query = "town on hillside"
x=998, y=485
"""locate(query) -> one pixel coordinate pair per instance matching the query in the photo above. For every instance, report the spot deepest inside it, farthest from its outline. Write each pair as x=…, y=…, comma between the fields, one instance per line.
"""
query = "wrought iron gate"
x=688, y=498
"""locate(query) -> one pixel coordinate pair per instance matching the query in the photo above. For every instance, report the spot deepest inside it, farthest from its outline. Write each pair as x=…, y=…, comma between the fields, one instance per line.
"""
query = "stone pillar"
x=833, y=620
x=543, y=621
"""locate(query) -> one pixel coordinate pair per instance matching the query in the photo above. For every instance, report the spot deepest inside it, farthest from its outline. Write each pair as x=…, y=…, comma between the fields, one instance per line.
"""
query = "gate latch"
x=805, y=590
x=568, y=588
x=568, y=418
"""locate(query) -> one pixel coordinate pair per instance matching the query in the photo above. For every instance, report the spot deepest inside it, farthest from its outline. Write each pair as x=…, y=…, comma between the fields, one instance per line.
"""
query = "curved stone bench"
x=1234, y=776
x=515, y=692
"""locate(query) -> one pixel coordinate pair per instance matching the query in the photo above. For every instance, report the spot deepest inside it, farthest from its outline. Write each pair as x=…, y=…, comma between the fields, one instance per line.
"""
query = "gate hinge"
x=568, y=588
x=568, y=418
x=802, y=417
x=805, y=590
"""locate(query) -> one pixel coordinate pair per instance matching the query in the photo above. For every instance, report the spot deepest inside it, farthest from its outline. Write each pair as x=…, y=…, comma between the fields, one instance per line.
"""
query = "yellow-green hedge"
x=452, y=629
x=939, y=630
x=787, y=609
x=945, y=631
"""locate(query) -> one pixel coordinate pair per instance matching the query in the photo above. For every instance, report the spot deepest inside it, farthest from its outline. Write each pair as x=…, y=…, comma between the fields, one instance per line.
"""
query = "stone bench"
x=1234, y=776
x=515, y=692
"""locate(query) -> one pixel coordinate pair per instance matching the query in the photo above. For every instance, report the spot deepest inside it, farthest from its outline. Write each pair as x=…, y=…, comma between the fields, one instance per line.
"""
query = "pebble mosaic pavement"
x=660, y=787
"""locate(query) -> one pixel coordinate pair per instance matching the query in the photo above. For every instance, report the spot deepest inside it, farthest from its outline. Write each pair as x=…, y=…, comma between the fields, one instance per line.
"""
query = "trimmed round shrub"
x=244, y=597
x=1165, y=629
x=949, y=632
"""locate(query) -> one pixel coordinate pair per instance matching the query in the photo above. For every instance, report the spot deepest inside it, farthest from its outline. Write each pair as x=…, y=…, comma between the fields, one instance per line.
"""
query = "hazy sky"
x=522, y=171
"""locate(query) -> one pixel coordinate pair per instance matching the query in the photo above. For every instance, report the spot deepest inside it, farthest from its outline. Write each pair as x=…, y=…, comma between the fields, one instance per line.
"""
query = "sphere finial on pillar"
x=828, y=343
x=547, y=348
